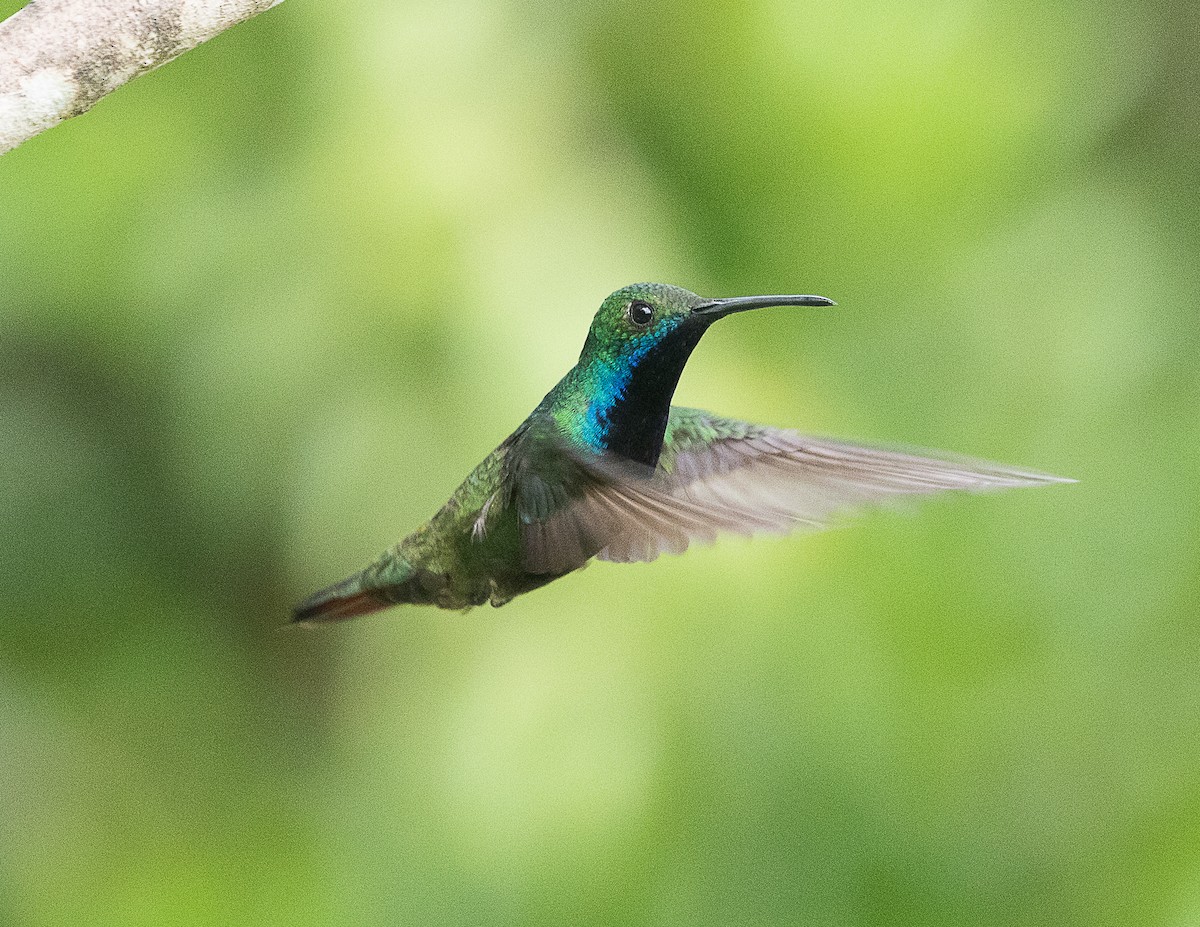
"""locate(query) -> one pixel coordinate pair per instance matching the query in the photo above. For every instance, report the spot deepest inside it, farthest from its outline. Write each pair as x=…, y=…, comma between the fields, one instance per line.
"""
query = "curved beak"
x=720, y=307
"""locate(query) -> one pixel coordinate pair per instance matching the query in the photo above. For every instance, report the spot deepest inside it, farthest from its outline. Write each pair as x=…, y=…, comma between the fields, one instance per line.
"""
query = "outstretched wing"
x=722, y=475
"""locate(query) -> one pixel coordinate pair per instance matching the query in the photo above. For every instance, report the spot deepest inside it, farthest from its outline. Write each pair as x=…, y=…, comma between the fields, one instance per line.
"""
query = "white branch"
x=58, y=57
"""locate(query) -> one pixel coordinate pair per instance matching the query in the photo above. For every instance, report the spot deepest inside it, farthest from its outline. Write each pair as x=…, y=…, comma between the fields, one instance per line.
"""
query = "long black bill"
x=720, y=307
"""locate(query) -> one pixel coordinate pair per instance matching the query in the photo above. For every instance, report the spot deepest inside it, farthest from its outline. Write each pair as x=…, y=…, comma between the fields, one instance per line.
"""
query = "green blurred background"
x=263, y=308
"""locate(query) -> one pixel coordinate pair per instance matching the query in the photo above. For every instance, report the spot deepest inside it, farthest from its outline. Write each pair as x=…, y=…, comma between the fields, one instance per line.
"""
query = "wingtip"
x=1037, y=478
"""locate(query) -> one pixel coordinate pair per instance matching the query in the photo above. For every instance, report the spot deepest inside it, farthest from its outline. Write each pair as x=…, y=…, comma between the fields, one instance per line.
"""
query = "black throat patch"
x=637, y=420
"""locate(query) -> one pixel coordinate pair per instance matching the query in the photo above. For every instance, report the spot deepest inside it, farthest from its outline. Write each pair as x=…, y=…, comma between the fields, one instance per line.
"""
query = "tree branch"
x=59, y=57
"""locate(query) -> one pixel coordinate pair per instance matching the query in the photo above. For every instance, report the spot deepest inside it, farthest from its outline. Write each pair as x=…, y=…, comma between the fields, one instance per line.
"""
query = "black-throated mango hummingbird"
x=606, y=467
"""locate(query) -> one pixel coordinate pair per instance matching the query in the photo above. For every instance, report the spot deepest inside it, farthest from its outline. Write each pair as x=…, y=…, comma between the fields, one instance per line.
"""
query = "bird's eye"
x=640, y=313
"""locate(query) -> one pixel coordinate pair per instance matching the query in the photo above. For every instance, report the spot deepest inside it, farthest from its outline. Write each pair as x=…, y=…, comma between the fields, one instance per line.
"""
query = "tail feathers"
x=347, y=599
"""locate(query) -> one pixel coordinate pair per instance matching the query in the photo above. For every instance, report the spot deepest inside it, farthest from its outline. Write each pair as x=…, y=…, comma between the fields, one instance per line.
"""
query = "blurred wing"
x=721, y=475
x=627, y=521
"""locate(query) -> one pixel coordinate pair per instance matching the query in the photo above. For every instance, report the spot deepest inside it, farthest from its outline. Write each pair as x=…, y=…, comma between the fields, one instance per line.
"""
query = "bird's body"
x=605, y=467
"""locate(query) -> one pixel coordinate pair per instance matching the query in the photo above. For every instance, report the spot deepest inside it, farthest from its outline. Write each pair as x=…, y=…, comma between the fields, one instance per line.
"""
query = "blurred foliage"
x=263, y=308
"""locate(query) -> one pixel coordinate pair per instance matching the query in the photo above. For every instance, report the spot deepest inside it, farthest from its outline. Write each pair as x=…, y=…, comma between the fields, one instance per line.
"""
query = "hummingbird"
x=606, y=468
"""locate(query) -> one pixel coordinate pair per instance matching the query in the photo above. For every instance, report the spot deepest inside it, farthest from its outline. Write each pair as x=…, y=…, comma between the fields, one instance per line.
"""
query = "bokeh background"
x=262, y=309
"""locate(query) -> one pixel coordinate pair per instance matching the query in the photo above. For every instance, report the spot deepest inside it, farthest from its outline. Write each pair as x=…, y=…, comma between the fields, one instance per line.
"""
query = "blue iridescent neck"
x=623, y=398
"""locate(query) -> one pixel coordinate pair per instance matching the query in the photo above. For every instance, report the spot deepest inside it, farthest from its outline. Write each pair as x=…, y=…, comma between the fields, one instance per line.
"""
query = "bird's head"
x=646, y=318
x=618, y=396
